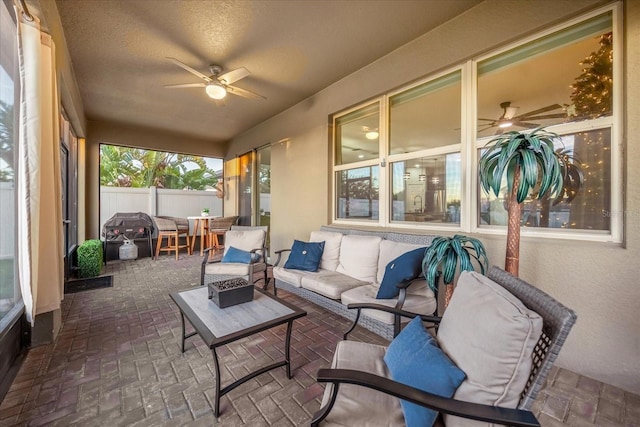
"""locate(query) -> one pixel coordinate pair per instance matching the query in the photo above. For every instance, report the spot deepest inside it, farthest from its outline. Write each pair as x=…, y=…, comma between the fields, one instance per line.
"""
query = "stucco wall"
x=598, y=280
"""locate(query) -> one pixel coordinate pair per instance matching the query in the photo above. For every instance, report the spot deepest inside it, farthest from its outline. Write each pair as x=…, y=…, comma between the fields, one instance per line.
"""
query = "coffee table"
x=219, y=326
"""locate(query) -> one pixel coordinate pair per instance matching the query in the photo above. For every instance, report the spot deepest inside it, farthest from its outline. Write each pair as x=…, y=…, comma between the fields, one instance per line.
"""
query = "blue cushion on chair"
x=407, y=266
x=305, y=256
x=237, y=255
x=414, y=359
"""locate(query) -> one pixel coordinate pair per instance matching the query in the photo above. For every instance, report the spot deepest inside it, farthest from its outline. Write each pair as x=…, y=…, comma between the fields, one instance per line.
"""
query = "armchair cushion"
x=246, y=240
x=305, y=256
x=414, y=359
x=406, y=267
x=502, y=332
x=238, y=255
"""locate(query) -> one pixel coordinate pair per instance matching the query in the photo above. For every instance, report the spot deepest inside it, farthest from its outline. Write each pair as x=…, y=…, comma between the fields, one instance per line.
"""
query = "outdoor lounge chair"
x=488, y=331
x=248, y=239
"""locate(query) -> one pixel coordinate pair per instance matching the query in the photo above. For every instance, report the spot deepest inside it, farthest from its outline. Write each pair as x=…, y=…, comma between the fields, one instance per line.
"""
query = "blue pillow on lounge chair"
x=414, y=359
x=407, y=266
x=237, y=255
x=305, y=256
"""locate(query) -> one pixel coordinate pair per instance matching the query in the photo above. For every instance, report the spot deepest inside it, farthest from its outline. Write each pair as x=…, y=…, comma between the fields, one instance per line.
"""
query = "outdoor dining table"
x=201, y=223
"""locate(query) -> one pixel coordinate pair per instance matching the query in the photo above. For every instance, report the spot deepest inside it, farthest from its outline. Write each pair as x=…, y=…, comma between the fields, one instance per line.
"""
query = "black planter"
x=230, y=292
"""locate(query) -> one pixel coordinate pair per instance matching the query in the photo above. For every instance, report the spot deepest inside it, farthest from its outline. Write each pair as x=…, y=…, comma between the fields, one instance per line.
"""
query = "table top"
x=219, y=326
x=202, y=217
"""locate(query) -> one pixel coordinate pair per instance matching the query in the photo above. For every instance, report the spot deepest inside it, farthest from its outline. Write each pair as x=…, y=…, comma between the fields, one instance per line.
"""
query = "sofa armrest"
x=397, y=312
x=474, y=411
x=279, y=253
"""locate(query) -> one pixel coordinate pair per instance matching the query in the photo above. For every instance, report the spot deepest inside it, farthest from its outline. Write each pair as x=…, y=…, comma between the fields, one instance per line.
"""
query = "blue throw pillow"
x=414, y=359
x=407, y=266
x=237, y=255
x=305, y=256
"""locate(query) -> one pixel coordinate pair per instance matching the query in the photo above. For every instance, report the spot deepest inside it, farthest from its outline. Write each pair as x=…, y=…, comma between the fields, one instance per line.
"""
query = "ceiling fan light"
x=372, y=135
x=505, y=124
x=215, y=91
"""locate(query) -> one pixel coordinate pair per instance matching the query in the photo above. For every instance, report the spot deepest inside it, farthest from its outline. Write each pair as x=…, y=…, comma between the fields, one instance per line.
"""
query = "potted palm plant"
x=532, y=167
x=445, y=254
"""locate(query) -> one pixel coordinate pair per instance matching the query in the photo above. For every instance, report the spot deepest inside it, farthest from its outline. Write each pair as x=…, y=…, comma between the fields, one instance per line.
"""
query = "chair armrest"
x=474, y=411
x=396, y=311
x=279, y=253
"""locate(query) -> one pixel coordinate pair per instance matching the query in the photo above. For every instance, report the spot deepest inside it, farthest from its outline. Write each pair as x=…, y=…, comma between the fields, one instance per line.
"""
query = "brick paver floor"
x=117, y=362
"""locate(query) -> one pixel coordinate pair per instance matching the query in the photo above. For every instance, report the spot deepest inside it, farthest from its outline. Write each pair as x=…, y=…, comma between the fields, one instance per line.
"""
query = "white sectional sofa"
x=351, y=269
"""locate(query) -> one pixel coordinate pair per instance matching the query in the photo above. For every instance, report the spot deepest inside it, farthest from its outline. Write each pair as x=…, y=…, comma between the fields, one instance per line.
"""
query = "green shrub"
x=90, y=258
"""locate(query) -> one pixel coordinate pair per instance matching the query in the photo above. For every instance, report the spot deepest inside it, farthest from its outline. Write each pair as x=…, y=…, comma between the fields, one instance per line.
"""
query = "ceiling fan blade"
x=233, y=76
x=244, y=93
x=547, y=116
x=189, y=69
x=487, y=120
x=541, y=110
x=185, y=85
x=526, y=125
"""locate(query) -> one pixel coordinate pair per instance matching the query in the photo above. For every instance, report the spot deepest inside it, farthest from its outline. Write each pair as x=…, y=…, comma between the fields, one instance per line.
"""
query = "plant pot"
x=204, y=213
x=230, y=292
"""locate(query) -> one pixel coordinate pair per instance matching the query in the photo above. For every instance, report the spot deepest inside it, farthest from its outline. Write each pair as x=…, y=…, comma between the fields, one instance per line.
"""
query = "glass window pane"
x=591, y=208
x=426, y=116
x=427, y=189
x=563, y=77
x=358, y=193
x=357, y=135
x=9, y=92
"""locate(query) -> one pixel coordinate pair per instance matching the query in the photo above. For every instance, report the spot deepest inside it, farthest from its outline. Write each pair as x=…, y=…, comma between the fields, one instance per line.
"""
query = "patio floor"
x=117, y=362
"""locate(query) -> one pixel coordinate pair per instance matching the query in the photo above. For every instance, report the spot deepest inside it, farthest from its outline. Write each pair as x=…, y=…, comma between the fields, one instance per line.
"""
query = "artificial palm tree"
x=443, y=256
x=532, y=167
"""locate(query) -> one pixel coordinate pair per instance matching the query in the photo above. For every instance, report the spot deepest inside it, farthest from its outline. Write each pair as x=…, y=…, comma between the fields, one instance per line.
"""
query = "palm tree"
x=532, y=167
x=443, y=256
x=7, y=136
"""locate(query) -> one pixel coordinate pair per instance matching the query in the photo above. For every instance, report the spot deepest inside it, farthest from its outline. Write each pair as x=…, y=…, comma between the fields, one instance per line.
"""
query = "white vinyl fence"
x=157, y=201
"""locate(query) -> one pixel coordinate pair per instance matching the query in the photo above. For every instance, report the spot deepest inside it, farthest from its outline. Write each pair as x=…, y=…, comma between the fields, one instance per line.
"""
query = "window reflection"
x=591, y=208
x=358, y=193
x=427, y=189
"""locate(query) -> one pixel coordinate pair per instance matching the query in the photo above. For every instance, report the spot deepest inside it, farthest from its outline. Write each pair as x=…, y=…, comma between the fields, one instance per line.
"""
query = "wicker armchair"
x=359, y=377
x=171, y=228
x=217, y=228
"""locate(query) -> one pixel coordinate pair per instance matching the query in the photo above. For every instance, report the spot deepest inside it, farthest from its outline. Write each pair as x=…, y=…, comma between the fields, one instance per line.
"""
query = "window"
x=425, y=120
x=563, y=81
x=10, y=297
x=409, y=158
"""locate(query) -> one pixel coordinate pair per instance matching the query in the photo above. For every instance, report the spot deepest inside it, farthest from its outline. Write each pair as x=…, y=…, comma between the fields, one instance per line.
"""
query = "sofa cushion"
x=330, y=283
x=331, y=253
x=292, y=277
x=305, y=256
x=502, y=332
x=390, y=250
x=228, y=268
x=414, y=359
x=407, y=266
x=359, y=257
x=369, y=407
x=420, y=299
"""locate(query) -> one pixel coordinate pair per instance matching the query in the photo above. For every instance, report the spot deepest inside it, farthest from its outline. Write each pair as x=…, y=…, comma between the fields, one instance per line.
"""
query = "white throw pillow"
x=359, y=257
x=489, y=334
x=331, y=253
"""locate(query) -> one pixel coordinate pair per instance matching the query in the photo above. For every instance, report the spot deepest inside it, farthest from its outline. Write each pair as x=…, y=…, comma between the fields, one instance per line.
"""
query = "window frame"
x=470, y=144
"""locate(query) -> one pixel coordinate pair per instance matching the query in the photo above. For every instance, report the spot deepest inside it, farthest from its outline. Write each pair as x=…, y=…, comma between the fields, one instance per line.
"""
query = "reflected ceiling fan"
x=218, y=84
x=509, y=117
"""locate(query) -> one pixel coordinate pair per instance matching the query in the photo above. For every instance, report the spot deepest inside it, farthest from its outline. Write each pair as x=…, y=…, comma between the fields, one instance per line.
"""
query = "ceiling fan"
x=509, y=117
x=218, y=84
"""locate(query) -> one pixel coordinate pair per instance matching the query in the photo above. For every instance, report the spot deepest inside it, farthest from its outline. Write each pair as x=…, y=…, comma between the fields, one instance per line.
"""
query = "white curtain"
x=40, y=255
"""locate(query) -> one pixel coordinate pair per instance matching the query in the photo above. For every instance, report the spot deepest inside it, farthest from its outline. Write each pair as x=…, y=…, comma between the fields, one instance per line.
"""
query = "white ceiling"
x=293, y=49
